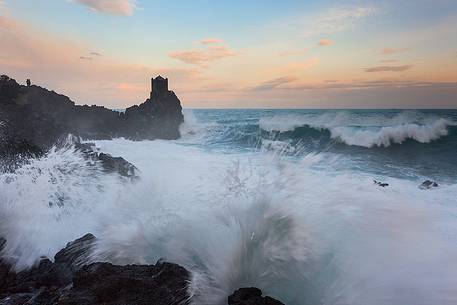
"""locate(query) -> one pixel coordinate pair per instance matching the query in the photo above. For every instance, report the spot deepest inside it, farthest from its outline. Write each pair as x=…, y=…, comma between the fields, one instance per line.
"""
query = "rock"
x=104, y=283
x=109, y=163
x=251, y=296
x=381, y=184
x=68, y=281
x=5, y=268
x=428, y=184
x=70, y=259
x=44, y=283
x=39, y=117
x=117, y=164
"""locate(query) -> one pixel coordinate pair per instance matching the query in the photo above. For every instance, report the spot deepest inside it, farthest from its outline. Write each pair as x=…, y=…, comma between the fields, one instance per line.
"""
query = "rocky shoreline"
x=34, y=119
x=39, y=117
x=71, y=279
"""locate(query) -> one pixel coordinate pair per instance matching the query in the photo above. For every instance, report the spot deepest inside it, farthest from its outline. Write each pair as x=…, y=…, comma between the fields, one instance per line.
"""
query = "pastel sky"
x=237, y=53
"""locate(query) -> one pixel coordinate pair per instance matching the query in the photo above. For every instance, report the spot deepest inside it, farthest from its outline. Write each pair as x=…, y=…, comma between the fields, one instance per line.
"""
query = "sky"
x=238, y=53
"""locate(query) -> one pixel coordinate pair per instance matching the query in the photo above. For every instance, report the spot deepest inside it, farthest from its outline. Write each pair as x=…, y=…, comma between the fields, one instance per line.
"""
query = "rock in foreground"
x=251, y=296
x=104, y=283
x=67, y=281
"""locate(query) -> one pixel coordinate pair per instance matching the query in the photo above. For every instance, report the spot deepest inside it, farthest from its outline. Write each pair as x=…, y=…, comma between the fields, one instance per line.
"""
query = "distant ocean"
x=283, y=200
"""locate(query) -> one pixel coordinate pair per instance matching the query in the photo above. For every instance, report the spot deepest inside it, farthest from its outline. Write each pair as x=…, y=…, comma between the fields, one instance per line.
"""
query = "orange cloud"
x=211, y=41
x=203, y=56
x=387, y=51
x=57, y=64
x=113, y=7
x=325, y=42
x=276, y=83
x=389, y=68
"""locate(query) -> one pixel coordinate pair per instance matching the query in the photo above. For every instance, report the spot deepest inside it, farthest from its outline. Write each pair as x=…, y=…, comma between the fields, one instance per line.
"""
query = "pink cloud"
x=113, y=7
x=389, y=68
x=207, y=41
x=61, y=65
x=325, y=42
x=204, y=56
x=387, y=51
x=276, y=83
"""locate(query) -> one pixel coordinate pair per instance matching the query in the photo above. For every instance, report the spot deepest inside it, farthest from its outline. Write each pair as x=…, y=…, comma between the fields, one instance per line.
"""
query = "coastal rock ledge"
x=33, y=117
x=68, y=281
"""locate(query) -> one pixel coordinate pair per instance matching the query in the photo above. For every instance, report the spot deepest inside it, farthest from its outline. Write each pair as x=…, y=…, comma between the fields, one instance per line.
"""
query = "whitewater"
x=282, y=200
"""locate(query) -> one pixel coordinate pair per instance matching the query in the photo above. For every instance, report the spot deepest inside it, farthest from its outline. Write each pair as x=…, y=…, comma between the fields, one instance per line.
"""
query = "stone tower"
x=159, y=86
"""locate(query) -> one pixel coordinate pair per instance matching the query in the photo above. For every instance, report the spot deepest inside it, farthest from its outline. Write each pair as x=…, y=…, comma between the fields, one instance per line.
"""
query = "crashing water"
x=278, y=199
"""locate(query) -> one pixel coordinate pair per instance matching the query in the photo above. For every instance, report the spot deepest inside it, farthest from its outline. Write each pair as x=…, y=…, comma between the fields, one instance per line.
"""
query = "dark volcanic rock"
x=70, y=259
x=117, y=164
x=104, y=283
x=251, y=296
x=109, y=163
x=428, y=184
x=39, y=117
x=381, y=184
x=68, y=282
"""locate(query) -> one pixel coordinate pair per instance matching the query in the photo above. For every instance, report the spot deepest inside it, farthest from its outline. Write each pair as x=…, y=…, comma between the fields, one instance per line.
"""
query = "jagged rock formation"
x=39, y=117
x=251, y=296
x=428, y=184
x=68, y=281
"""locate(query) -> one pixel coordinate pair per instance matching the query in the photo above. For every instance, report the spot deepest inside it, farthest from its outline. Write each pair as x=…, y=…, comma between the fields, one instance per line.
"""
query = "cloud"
x=204, y=56
x=64, y=66
x=274, y=83
x=3, y=9
x=389, y=60
x=336, y=20
x=211, y=41
x=389, y=68
x=325, y=42
x=293, y=84
x=113, y=7
x=293, y=52
x=387, y=51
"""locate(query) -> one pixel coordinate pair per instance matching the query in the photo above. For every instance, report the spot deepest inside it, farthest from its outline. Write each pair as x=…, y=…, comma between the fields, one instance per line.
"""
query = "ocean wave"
x=386, y=136
x=355, y=131
x=302, y=235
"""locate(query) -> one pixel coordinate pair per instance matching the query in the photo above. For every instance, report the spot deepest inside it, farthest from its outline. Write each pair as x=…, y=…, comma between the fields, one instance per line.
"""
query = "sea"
x=283, y=200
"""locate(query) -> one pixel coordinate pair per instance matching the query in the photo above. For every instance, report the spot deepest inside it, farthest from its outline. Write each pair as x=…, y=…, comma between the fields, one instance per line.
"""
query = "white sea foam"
x=304, y=236
x=385, y=136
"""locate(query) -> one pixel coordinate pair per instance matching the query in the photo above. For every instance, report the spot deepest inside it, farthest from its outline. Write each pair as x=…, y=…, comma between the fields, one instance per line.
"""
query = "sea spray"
x=307, y=229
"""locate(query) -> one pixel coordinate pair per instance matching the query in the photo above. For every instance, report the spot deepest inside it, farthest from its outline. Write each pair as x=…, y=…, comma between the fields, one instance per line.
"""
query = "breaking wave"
x=294, y=228
x=364, y=136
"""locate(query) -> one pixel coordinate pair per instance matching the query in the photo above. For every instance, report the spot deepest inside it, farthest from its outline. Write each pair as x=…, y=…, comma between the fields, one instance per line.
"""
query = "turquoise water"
x=399, y=143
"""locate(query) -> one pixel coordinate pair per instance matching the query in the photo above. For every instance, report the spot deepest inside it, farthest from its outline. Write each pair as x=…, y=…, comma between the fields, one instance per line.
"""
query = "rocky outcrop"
x=68, y=281
x=251, y=296
x=104, y=283
x=381, y=184
x=428, y=184
x=39, y=117
x=108, y=163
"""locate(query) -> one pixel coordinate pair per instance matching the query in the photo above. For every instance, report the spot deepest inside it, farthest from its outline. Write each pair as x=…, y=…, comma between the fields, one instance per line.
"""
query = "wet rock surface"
x=72, y=280
x=251, y=296
x=68, y=280
x=428, y=184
